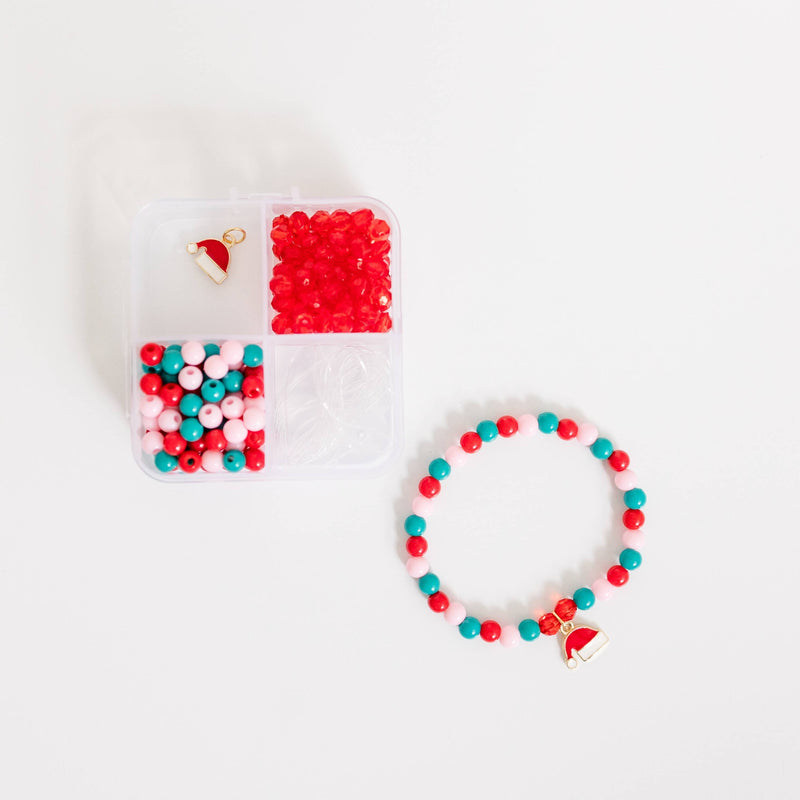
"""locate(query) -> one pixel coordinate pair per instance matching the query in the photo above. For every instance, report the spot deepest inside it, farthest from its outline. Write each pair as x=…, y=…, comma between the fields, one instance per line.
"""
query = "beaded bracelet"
x=579, y=641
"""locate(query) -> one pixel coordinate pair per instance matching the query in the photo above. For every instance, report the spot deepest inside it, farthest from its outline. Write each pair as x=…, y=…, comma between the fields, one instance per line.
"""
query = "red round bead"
x=567, y=429
x=171, y=394
x=633, y=518
x=619, y=460
x=429, y=486
x=470, y=442
x=189, y=461
x=255, y=438
x=253, y=372
x=215, y=440
x=490, y=631
x=253, y=386
x=151, y=354
x=174, y=443
x=566, y=608
x=199, y=446
x=507, y=426
x=416, y=546
x=254, y=458
x=150, y=383
x=438, y=601
x=549, y=624
x=617, y=575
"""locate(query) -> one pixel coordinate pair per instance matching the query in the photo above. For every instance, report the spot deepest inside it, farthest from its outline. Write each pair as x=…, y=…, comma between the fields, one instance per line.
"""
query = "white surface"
x=599, y=205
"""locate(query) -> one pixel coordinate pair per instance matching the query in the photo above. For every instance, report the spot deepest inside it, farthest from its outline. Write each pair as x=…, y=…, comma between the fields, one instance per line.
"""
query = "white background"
x=600, y=210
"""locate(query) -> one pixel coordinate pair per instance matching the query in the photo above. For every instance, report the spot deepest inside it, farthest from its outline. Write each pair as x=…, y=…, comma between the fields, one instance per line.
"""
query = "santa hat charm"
x=581, y=642
x=213, y=255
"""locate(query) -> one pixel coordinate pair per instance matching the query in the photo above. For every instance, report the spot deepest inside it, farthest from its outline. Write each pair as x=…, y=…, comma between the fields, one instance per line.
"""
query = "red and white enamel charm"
x=213, y=255
x=581, y=643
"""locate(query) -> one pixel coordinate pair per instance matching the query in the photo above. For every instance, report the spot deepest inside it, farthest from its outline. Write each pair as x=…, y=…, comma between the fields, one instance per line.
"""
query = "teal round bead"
x=429, y=583
x=528, y=629
x=602, y=448
x=168, y=377
x=212, y=391
x=548, y=422
x=584, y=598
x=469, y=628
x=415, y=525
x=439, y=469
x=253, y=355
x=634, y=498
x=233, y=461
x=149, y=370
x=191, y=429
x=211, y=349
x=233, y=381
x=487, y=430
x=630, y=559
x=165, y=462
x=171, y=347
x=190, y=405
x=172, y=361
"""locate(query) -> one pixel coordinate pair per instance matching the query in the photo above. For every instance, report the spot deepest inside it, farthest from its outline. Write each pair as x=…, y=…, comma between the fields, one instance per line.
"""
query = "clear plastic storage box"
x=314, y=284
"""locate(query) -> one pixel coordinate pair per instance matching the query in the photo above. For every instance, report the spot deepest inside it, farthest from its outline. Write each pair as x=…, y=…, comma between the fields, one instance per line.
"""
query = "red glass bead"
x=549, y=624
x=189, y=461
x=429, y=486
x=619, y=460
x=617, y=575
x=171, y=394
x=438, y=601
x=253, y=386
x=151, y=354
x=254, y=458
x=215, y=440
x=490, y=631
x=174, y=443
x=565, y=609
x=470, y=442
x=633, y=518
x=150, y=383
x=567, y=429
x=255, y=438
x=379, y=229
x=416, y=546
x=507, y=426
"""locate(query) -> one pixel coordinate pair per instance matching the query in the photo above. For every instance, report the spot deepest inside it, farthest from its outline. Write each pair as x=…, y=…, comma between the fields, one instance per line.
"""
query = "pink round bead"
x=509, y=636
x=211, y=461
x=633, y=539
x=455, y=613
x=455, y=456
x=234, y=431
x=422, y=506
x=587, y=434
x=209, y=416
x=150, y=423
x=150, y=405
x=602, y=589
x=232, y=353
x=254, y=419
x=193, y=353
x=255, y=402
x=232, y=407
x=215, y=367
x=190, y=378
x=152, y=442
x=169, y=420
x=625, y=480
x=528, y=424
x=236, y=445
x=417, y=566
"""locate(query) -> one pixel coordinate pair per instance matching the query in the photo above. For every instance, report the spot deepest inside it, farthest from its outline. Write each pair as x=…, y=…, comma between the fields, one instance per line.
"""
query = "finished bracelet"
x=580, y=641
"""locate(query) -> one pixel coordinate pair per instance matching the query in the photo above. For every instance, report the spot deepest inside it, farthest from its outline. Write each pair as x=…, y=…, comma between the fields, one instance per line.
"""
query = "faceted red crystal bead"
x=215, y=440
x=255, y=439
x=254, y=458
x=490, y=631
x=617, y=575
x=549, y=624
x=416, y=546
x=429, y=486
x=567, y=429
x=150, y=383
x=253, y=387
x=171, y=394
x=470, y=442
x=174, y=443
x=151, y=354
x=507, y=426
x=438, y=601
x=189, y=461
x=565, y=609
x=633, y=518
x=619, y=460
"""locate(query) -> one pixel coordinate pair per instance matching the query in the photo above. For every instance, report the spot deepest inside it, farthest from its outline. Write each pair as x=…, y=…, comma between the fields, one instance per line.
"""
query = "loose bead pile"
x=582, y=598
x=332, y=273
x=202, y=406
